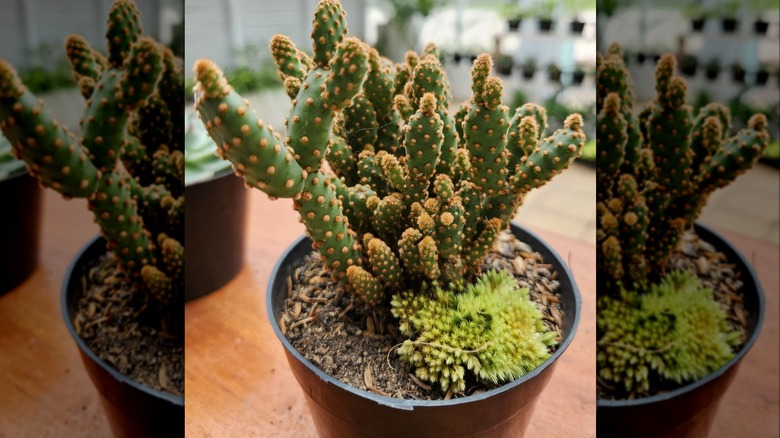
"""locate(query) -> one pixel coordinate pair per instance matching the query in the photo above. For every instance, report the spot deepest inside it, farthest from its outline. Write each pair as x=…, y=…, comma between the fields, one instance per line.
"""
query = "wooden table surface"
x=237, y=379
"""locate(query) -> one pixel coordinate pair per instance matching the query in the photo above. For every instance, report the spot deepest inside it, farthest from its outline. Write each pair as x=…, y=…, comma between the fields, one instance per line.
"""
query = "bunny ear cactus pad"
x=243, y=139
x=410, y=193
x=42, y=142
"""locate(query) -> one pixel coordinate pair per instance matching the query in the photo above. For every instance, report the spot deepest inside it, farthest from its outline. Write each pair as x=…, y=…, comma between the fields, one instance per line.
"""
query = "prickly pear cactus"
x=411, y=193
x=655, y=173
x=656, y=170
x=128, y=158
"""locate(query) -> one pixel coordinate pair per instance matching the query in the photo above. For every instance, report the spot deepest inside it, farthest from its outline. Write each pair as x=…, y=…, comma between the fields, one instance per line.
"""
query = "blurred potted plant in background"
x=529, y=68
x=712, y=69
x=401, y=33
x=544, y=10
x=216, y=211
x=727, y=9
x=20, y=201
x=554, y=73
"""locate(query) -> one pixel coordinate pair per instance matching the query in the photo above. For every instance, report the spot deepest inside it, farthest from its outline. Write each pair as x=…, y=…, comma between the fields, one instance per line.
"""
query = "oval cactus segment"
x=115, y=212
x=551, y=156
x=247, y=142
x=51, y=153
x=328, y=29
x=348, y=70
x=84, y=61
x=365, y=285
x=328, y=228
x=124, y=27
x=288, y=59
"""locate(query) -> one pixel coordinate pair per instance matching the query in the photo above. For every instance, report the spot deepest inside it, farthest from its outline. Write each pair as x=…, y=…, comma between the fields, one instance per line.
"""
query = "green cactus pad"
x=51, y=153
x=365, y=285
x=120, y=224
x=326, y=224
x=243, y=139
x=328, y=29
x=551, y=156
x=348, y=71
x=288, y=59
x=124, y=27
x=384, y=264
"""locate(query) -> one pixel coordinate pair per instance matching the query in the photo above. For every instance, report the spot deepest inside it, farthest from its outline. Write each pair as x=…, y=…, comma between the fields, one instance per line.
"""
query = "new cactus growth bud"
x=128, y=159
x=410, y=190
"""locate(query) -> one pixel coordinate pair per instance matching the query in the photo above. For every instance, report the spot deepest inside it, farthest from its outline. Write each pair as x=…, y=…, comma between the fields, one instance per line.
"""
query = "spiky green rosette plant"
x=655, y=173
x=200, y=161
x=409, y=194
x=128, y=162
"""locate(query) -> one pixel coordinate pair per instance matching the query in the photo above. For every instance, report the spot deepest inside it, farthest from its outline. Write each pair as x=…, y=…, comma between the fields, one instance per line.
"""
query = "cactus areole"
x=393, y=192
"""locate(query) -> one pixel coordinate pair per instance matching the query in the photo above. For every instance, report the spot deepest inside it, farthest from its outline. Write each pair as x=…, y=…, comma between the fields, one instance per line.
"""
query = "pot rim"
x=174, y=399
x=218, y=175
x=709, y=233
x=405, y=404
x=16, y=175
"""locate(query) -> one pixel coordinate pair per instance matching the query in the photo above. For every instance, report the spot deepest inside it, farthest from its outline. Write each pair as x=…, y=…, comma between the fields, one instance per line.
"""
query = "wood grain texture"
x=237, y=379
x=44, y=390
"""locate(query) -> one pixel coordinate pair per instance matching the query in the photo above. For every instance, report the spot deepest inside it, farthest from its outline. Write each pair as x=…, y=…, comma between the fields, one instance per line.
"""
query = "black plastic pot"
x=340, y=410
x=214, y=232
x=576, y=27
x=738, y=74
x=133, y=410
x=712, y=73
x=457, y=57
x=762, y=76
x=578, y=77
x=697, y=24
x=528, y=73
x=20, y=203
x=545, y=25
x=760, y=27
x=687, y=412
x=729, y=25
x=514, y=24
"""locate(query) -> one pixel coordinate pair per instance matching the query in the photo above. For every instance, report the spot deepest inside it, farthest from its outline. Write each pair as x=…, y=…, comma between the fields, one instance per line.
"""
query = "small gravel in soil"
x=348, y=340
x=117, y=324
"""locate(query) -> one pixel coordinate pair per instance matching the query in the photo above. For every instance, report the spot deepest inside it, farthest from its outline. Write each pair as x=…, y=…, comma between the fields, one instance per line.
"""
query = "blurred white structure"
x=221, y=30
x=27, y=26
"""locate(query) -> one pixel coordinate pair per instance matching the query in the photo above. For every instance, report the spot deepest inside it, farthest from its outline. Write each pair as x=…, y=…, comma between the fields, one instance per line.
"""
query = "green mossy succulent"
x=655, y=171
x=128, y=160
x=490, y=328
x=675, y=332
x=411, y=193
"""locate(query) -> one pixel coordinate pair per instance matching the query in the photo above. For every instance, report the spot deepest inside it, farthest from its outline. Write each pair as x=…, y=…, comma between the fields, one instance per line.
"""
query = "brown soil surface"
x=348, y=340
x=120, y=325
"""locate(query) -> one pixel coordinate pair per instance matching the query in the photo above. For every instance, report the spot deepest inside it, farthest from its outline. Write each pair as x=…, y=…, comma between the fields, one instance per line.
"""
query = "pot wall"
x=133, y=410
x=214, y=231
x=340, y=410
x=20, y=203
